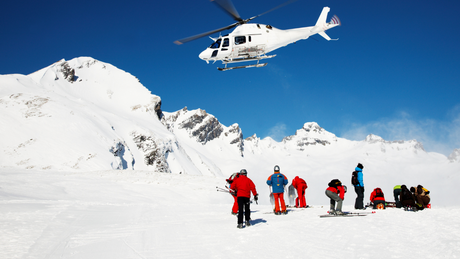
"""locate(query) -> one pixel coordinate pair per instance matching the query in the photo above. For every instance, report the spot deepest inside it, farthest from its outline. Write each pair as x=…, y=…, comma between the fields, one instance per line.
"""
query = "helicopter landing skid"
x=237, y=67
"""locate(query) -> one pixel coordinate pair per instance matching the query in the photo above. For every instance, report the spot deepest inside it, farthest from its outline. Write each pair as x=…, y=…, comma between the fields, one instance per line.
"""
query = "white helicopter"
x=251, y=42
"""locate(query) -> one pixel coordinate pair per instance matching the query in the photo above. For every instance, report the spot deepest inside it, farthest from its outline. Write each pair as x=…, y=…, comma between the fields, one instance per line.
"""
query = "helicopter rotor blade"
x=271, y=10
x=227, y=6
x=184, y=40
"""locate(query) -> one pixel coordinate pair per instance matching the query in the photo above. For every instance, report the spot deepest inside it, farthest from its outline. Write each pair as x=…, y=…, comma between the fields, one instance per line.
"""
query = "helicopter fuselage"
x=249, y=41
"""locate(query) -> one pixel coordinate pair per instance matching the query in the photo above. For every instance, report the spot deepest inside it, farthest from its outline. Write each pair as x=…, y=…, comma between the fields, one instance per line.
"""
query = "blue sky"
x=394, y=71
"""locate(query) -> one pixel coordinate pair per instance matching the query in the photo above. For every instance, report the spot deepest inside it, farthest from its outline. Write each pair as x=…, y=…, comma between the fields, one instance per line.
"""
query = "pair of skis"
x=347, y=214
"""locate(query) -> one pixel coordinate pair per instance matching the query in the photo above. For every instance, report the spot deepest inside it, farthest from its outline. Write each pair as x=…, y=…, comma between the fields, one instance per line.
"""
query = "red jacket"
x=299, y=183
x=339, y=190
x=243, y=186
x=374, y=196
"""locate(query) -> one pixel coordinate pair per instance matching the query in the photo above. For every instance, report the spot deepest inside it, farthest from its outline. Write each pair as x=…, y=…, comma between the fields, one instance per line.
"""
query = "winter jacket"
x=360, y=177
x=277, y=181
x=339, y=190
x=422, y=191
x=243, y=186
x=299, y=183
x=374, y=196
x=406, y=195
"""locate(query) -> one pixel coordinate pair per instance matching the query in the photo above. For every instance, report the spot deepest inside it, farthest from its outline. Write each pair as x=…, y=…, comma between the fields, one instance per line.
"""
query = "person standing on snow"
x=300, y=185
x=336, y=192
x=277, y=181
x=359, y=188
x=235, y=202
x=397, y=194
x=243, y=186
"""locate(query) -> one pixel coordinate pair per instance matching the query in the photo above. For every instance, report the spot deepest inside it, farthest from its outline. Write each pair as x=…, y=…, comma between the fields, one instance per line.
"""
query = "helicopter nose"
x=204, y=55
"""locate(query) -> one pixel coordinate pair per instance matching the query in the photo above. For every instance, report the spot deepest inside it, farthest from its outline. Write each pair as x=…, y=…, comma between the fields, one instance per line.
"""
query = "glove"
x=256, y=198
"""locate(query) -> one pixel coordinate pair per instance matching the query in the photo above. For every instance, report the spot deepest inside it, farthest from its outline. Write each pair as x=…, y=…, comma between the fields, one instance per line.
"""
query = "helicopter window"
x=240, y=40
x=249, y=38
x=226, y=43
x=216, y=44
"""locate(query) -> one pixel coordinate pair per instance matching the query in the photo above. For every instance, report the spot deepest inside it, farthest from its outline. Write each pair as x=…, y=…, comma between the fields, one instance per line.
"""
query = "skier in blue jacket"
x=359, y=188
x=277, y=181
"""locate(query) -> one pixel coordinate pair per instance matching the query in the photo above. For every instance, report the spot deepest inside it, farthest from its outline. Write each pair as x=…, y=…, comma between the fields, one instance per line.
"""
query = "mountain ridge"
x=104, y=119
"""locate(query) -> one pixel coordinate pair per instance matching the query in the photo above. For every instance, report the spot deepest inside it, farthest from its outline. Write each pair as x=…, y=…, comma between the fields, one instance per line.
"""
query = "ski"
x=344, y=215
x=357, y=213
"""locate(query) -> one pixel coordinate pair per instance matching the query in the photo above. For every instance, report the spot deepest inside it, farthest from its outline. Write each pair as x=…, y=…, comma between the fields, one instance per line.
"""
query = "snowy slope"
x=141, y=214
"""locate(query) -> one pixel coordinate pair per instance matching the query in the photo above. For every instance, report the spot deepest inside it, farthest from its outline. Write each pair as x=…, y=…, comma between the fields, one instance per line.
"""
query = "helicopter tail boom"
x=321, y=26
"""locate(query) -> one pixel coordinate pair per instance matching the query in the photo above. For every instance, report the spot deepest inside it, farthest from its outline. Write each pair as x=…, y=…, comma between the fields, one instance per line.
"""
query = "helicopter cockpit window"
x=216, y=44
x=226, y=43
x=240, y=40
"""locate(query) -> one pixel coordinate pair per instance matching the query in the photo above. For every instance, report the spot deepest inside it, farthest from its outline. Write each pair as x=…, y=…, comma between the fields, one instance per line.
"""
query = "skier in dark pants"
x=359, y=188
x=397, y=194
x=243, y=187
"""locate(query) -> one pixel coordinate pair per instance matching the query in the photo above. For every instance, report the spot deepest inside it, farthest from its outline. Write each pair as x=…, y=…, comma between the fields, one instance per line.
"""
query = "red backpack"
x=378, y=192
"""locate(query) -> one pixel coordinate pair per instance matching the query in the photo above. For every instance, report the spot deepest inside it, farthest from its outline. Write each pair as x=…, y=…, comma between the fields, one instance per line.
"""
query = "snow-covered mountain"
x=87, y=115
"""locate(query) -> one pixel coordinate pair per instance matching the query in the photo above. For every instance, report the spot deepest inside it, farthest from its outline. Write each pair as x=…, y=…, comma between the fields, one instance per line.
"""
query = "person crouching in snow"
x=277, y=181
x=336, y=192
x=235, y=202
x=300, y=185
x=378, y=199
x=243, y=186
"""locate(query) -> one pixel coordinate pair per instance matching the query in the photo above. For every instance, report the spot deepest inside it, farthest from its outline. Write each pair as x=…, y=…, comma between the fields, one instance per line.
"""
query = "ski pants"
x=334, y=198
x=279, y=200
x=396, y=194
x=243, y=207
x=359, y=203
x=300, y=200
x=235, y=205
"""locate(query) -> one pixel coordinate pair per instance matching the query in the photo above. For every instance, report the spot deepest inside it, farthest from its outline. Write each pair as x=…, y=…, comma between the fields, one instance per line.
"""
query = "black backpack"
x=335, y=183
x=354, y=178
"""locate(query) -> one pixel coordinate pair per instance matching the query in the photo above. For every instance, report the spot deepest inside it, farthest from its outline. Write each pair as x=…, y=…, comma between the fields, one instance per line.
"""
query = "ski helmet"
x=277, y=168
x=244, y=172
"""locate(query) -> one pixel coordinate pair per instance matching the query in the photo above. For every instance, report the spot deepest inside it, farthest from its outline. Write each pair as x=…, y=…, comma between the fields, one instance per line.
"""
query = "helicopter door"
x=225, y=44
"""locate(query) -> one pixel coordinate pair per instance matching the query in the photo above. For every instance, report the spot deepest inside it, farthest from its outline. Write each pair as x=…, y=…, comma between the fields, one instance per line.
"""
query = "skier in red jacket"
x=300, y=185
x=336, y=192
x=243, y=186
x=377, y=198
x=229, y=183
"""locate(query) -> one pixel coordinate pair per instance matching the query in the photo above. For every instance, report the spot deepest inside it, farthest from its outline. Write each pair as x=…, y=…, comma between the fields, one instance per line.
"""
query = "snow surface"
x=140, y=214
x=75, y=182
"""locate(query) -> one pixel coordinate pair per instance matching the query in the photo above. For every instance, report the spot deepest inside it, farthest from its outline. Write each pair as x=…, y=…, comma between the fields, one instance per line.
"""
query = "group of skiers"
x=415, y=198
x=241, y=187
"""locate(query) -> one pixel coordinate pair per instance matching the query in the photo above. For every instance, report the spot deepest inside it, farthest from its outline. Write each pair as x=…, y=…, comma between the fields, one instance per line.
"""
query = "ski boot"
x=240, y=225
x=248, y=224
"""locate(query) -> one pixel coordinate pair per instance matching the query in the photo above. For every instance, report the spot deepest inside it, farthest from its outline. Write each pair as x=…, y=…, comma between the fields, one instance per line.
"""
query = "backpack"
x=354, y=178
x=378, y=192
x=233, y=177
x=335, y=183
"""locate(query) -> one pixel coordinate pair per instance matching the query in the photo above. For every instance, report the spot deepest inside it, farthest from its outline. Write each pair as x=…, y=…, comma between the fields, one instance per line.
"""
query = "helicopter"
x=253, y=41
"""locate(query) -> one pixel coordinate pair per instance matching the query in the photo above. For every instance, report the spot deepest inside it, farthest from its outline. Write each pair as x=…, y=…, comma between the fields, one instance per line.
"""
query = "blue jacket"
x=277, y=181
x=360, y=176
